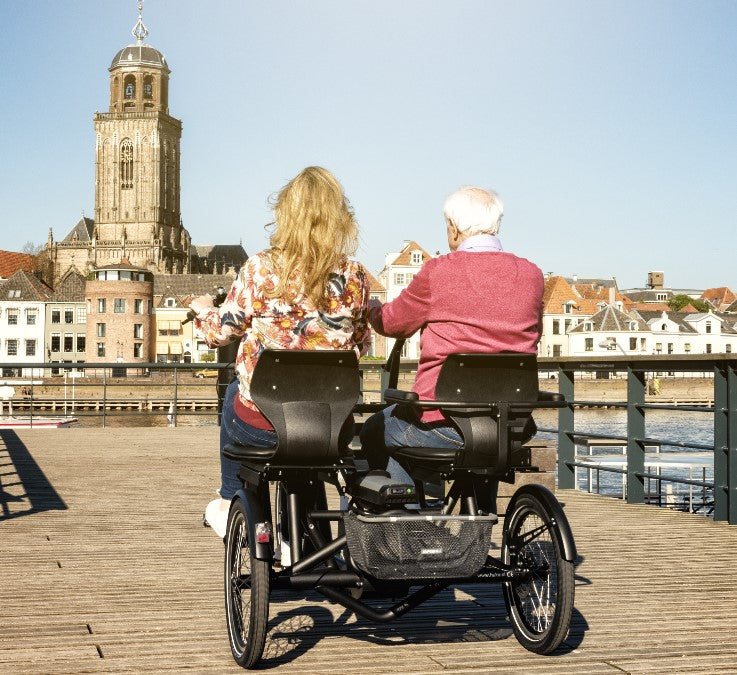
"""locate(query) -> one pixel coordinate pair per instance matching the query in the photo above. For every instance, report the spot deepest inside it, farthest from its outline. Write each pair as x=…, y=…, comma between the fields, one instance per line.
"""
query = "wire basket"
x=418, y=546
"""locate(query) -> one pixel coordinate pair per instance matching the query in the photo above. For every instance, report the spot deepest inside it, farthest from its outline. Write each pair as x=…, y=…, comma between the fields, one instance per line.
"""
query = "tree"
x=31, y=248
x=679, y=301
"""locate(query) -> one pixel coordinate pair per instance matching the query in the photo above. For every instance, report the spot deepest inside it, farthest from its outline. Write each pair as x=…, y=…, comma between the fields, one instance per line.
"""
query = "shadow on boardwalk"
x=24, y=488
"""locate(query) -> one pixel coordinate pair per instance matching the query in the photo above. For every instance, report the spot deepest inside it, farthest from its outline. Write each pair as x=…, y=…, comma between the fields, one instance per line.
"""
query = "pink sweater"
x=465, y=302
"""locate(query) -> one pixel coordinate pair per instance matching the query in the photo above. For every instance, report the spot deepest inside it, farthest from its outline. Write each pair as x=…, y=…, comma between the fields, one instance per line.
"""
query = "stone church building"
x=137, y=215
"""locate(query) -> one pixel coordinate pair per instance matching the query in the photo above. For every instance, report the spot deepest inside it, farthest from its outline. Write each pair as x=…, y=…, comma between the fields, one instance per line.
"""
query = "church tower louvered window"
x=126, y=164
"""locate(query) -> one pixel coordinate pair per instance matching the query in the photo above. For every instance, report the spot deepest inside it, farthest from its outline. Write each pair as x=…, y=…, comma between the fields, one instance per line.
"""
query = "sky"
x=609, y=128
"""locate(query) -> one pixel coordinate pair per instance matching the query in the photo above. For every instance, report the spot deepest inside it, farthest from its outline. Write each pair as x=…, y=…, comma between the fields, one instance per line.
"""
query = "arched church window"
x=148, y=87
x=126, y=164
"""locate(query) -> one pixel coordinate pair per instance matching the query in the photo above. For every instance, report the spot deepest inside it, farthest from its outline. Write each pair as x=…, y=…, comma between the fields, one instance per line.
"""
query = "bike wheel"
x=246, y=591
x=539, y=603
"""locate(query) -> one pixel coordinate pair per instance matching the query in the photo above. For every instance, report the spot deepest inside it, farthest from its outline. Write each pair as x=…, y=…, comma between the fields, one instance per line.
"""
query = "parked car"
x=206, y=372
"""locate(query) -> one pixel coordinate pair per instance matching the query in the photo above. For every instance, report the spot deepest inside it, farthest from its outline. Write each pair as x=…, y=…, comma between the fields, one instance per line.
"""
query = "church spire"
x=140, y=32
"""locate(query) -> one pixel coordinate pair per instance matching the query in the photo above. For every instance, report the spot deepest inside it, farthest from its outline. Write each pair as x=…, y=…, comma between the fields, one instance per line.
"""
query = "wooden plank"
x=101, y=546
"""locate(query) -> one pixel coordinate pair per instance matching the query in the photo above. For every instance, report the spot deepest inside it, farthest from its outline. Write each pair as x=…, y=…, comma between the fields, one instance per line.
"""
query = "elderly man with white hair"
x=477, y=298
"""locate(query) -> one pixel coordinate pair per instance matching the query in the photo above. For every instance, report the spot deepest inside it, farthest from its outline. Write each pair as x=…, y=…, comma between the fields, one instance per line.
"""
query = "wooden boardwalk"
x=105, y=567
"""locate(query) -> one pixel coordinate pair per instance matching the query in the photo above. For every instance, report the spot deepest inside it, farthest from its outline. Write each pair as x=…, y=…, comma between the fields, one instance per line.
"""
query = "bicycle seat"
x=489, y=398
x=307, y=395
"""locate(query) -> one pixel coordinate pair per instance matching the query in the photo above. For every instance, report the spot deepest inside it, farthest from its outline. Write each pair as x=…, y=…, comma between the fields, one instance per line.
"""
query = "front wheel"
x=246, y=591
x=541, y=601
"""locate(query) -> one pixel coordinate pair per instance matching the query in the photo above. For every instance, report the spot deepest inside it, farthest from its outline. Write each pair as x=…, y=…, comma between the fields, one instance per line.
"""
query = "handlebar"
x=392, y=363
x=217, y=300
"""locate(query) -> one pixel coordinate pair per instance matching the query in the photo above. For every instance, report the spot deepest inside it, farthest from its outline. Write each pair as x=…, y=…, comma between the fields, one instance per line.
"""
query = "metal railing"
x=723, y=368
x=182, y=394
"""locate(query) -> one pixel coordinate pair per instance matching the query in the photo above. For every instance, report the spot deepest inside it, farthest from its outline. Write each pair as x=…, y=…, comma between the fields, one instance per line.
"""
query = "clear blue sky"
x=609, y=128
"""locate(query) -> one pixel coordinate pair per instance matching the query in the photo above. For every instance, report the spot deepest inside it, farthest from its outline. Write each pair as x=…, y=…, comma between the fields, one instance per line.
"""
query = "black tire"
x=246, y=591
x=539, y=604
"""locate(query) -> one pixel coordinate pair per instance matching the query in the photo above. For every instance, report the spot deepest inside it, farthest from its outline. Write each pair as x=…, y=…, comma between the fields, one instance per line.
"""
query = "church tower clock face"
x=137, y=213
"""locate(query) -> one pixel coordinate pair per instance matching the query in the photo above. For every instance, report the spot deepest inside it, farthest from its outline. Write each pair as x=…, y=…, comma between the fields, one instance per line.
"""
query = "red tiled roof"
x=405, y=256
x=11, y=262
x=374, y=283
x=719, y=296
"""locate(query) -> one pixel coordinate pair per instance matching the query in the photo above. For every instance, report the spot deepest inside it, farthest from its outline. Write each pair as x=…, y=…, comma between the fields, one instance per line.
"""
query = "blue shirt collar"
x=481, y=243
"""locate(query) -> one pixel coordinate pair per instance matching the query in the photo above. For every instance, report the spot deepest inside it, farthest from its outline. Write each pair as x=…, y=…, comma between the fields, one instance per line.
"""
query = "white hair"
x=474, y=210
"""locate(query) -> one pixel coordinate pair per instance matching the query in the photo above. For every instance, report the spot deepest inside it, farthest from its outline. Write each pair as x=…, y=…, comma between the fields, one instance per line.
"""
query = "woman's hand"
x=201, y=303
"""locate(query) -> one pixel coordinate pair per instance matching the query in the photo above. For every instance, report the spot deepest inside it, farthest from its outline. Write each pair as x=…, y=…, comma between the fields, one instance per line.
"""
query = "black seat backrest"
x=307, y=395
x=488, y=378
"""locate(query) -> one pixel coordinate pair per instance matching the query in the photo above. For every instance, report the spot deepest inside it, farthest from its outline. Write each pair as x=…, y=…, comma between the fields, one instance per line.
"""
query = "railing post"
x=384, y=376
x=635, y=434
x=176, y=391
x=725, y=443
x=566, y=443
x=104, y=395
x=732, y=443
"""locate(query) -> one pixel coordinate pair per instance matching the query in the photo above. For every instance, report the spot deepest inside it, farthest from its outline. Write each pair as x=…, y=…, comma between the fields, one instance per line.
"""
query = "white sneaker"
x=216, y=516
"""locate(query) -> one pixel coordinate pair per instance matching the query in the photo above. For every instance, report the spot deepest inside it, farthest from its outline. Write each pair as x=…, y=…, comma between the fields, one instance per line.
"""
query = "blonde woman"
x=301, y=293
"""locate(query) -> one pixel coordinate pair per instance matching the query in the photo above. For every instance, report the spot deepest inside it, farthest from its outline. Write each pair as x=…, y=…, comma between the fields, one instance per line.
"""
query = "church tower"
x=137, y=214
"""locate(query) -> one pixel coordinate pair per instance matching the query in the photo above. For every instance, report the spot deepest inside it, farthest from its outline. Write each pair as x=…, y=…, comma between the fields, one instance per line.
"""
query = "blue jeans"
x=399, y=426
x=234, y=430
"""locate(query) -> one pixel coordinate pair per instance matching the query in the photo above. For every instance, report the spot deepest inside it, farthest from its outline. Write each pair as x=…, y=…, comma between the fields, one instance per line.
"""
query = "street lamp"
x=611, y=344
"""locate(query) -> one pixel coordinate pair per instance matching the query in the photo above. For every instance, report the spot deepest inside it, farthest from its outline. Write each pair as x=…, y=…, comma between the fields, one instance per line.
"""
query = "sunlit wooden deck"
x=105, y=566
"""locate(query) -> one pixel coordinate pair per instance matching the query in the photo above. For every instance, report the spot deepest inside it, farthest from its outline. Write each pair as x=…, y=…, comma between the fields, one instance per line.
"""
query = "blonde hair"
x=314, y=231
x=474, y=210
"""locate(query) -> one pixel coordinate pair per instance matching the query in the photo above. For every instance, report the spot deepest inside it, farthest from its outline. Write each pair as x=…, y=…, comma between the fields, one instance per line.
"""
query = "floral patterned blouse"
x=265, y=323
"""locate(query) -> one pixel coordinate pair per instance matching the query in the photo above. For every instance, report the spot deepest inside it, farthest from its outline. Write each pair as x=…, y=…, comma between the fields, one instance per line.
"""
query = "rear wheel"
x=540, y=602
x=246, y=591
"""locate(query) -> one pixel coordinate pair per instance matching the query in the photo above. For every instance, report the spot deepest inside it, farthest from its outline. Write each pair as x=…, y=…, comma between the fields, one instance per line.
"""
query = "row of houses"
x=127, y=314
x=120, y=313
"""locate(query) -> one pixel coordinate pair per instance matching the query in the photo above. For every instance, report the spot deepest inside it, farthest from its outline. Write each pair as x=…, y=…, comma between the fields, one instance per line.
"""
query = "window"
x=589, y=344
x=664, y=327
x=588, y=325
x=568, y=308
x=12, y=317
x=567, y=325
x=12, y=347
x=100, y=330
x=687, y=347
x=708, y=326
x=174, y=328
x=171, y=302
x=119, y=307
x=30, y=348
x=126, y=164
x=556, y=326
x=130, y=87
x=417, y=257
x=643, y=342
x=138, y=331
x=670, y=347
x=148, y=90
x=556, y=350
x=633, y=344
x=399, y=278
x=31, y=314
x=68, y=315
x=55, y=342
x=101, y=349
x=101, y=305
x=56, y=315
x=13, y=294
x=137, y=350
x=661, y=297
x=81, y=315
x=728, y=348
x=68, y=342
x=163, y=331
x=708, y=348
x=138, y=306
x=658, y=347
x=81, y=342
